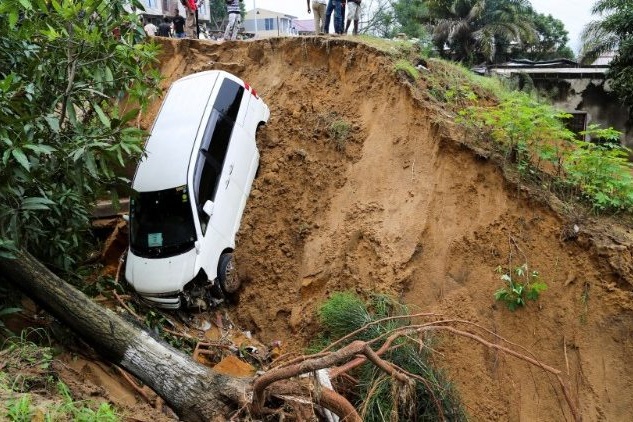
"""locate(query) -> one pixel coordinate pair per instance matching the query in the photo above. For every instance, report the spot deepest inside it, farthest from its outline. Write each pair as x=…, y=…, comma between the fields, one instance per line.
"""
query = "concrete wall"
x=592, y=96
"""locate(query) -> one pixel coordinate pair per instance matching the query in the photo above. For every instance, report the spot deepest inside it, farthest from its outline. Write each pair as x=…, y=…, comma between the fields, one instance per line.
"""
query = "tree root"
x=359, y=352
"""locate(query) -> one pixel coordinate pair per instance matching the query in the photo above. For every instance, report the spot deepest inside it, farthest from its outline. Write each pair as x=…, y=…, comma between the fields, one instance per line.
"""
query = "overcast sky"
x=574, y=13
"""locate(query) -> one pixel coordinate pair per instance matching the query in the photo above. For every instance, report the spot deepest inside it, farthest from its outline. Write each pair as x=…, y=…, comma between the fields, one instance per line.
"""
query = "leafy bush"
x=339, y=130
x=71, y=75
x=521, y=285
x=532, y=136
x=380, y=395
x=602, y=170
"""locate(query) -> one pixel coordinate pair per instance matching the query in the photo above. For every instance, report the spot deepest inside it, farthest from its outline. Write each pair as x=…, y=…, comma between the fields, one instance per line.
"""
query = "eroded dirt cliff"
x=403, y=206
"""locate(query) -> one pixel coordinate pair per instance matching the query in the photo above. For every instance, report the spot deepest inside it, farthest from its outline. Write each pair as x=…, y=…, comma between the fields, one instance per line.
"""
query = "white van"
x=190, y=190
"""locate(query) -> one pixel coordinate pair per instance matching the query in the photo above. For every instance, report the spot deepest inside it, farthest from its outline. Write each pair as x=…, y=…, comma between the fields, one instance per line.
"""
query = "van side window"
x=208, y=170
x=229, y=99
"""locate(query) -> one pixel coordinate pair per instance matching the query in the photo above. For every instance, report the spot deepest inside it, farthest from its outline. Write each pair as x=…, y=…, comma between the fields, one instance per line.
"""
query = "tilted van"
x=190, y=190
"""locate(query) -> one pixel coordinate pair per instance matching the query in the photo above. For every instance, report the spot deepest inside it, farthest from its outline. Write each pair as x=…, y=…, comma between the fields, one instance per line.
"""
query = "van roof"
x=169, y=147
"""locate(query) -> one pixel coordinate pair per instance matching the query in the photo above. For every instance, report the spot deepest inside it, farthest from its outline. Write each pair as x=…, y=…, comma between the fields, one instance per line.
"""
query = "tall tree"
x=550, y=42
x=410, y=14
x=613, y=32
x=473, y=31
x=72, y=77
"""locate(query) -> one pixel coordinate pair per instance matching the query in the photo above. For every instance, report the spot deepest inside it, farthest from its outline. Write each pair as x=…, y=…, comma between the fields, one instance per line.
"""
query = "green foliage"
x=80, y=411
x=102, y=285
x=612, y=32
x=532, y=137
x=22, y=409
x=19, y=410
x=551, y=42
x=405, y=66
x=602, y=172
x=339, y=131
x=456, y=86
x=380, y=395
x=409, y=15
x=522, y=127
x=477, y=31
x=70, y=72
x=157, y=322
x=521, y=285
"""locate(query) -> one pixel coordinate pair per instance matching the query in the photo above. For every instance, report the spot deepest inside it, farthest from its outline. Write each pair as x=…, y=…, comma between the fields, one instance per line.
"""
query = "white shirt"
x=150, y=29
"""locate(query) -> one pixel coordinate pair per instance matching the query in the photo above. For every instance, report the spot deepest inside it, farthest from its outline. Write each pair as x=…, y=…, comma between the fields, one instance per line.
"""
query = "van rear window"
x=229, y=99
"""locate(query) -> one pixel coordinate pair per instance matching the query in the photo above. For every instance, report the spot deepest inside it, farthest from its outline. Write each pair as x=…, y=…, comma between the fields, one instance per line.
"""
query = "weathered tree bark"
x=194, y=391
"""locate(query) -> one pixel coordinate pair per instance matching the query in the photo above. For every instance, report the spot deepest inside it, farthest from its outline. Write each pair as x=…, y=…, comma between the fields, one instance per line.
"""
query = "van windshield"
x=161, y=223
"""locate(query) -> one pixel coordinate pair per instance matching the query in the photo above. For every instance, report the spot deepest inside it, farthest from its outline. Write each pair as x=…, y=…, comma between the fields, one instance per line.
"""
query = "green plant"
x=339, y=130
x=79, y=411
x=70, y=95
x=407, y=67
x=156, y=321
x=532, y=137
x=601, y=170
x=380, y=395
x=102, y=285
x=20, y=410
x=521, y=285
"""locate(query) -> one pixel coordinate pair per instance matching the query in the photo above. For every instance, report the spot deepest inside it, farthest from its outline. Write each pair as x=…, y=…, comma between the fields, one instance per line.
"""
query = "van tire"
x=227, y=274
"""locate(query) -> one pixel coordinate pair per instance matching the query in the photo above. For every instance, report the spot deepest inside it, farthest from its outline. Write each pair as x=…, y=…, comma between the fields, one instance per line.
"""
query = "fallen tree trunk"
x=193, y=391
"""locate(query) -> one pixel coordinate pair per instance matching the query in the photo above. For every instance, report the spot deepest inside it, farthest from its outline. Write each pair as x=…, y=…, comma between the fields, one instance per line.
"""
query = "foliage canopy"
x=70, y=73
x=613, y=32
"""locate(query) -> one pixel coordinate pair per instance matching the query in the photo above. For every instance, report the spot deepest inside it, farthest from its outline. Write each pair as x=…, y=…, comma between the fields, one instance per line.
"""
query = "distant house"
x=267, y=23
x=304, y=26
x=580, y=90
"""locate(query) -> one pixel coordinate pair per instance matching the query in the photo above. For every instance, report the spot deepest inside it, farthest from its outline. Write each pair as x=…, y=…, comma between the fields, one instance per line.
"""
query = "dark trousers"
x=336, y=7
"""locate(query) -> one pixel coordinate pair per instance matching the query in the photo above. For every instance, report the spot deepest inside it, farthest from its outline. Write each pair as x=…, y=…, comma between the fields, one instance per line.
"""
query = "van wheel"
x=227, y=273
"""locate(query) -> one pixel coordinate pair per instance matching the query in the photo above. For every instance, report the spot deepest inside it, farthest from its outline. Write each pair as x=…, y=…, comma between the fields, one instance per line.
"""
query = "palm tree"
x=474, y=30
x=614, y=32
x=604, y=35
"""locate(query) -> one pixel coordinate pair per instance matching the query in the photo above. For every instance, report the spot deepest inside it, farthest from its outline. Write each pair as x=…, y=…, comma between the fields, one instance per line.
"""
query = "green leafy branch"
x=521, y=285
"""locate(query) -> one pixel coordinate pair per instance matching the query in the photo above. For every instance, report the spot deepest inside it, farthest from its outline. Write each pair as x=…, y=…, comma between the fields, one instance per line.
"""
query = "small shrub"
x=339, y=130
x=408, y=68
x=521, y=286
x=601, y=170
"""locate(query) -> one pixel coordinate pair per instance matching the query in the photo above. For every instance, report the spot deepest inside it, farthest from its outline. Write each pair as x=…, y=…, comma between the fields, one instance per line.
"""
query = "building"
x=267, y=23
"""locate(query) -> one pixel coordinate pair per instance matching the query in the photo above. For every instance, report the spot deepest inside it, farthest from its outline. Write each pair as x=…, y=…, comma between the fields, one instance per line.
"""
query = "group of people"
x=323, y=10
x=177, y=26
x=181, y=27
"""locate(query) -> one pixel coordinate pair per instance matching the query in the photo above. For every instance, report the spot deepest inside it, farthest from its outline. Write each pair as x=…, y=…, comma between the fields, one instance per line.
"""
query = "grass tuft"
x=380, y=397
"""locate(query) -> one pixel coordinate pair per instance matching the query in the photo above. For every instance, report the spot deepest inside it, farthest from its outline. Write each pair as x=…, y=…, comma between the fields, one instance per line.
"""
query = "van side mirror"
x=208, y=208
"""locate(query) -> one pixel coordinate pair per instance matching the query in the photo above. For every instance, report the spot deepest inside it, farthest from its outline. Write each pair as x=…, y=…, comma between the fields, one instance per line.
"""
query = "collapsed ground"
x=402, y=205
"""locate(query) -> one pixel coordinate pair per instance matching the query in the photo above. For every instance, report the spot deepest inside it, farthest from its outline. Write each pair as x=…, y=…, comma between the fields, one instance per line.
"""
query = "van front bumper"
x=164, y=300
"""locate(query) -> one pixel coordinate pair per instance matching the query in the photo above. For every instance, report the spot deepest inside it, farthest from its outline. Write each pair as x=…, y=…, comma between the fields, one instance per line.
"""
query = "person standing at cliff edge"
x=318, y=6
x=235, y=18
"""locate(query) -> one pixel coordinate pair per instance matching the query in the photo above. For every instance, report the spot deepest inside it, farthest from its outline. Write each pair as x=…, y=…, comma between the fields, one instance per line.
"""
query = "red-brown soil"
x=404, y=206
